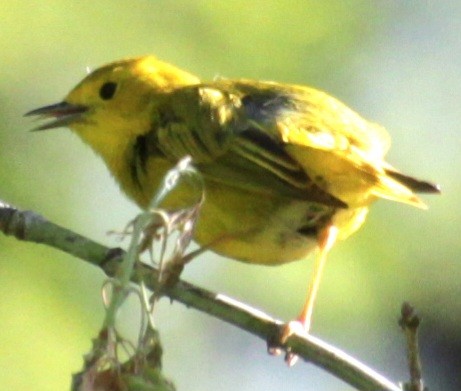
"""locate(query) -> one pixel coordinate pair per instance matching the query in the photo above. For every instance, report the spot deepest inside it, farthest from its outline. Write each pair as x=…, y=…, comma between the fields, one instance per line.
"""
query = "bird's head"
x=115, y=99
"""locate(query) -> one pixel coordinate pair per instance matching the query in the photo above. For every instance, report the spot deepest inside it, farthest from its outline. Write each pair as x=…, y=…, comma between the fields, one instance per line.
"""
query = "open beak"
x=63, y=113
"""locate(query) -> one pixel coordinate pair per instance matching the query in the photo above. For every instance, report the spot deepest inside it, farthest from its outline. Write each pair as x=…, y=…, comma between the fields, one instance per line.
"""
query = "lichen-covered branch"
x=31, y=227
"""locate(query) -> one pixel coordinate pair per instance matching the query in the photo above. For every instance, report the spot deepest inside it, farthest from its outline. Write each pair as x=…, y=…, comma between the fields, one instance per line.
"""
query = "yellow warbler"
x=286, y=169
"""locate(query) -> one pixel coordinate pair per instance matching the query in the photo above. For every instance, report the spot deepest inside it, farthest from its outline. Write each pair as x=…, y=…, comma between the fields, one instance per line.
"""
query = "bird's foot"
x=275, y=346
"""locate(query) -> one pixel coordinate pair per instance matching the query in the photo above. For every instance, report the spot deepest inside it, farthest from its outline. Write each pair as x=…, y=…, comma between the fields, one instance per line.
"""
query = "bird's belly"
x=249, y=226
x=259, y=229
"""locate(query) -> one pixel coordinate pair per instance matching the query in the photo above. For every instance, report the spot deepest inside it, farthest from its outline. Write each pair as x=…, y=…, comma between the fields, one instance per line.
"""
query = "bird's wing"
x=313, y=119
x=336, y=148
x=231, y=143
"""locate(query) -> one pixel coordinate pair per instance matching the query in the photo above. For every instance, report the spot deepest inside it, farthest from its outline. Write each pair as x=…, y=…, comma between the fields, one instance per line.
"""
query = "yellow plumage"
x=282, y=165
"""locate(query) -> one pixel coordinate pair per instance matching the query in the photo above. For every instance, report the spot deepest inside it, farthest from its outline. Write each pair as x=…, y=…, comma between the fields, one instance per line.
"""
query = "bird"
x=287, y=169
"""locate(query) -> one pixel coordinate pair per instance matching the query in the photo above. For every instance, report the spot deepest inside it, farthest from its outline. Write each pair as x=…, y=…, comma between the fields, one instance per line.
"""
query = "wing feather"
x=211, y=125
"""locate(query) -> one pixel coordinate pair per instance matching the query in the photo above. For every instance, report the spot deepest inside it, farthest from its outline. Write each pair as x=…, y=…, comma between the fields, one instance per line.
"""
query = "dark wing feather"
x=224, y=132
x=416, y=185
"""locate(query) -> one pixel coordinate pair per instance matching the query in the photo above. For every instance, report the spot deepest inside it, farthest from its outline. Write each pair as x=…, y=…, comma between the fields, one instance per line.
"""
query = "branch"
x=31, y=227
x=409, y=322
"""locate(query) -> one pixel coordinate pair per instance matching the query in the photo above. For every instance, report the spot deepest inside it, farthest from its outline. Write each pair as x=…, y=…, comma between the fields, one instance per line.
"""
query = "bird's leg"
x=325, y=242
x=173, y=269
x=301, y=325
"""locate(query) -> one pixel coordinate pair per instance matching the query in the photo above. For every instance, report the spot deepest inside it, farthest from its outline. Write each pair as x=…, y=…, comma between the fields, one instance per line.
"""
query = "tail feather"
x=414, y=184
x=390, y=189
x=398, y=187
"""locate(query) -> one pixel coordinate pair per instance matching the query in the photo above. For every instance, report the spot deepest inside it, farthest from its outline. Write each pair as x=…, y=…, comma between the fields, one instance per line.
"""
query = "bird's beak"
x=63, y=113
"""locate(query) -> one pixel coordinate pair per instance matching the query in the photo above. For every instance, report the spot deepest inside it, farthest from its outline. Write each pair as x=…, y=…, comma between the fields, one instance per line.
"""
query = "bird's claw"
x=276, y=344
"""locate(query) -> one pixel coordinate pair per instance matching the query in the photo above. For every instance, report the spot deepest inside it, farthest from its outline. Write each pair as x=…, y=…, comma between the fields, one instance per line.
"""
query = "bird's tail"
x=399, y=187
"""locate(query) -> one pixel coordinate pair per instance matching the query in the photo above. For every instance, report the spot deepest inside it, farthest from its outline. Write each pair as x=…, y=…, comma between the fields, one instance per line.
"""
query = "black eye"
x=107, y=90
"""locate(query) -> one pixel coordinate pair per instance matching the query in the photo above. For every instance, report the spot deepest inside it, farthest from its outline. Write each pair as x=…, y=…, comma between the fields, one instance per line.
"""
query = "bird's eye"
x=107, y=90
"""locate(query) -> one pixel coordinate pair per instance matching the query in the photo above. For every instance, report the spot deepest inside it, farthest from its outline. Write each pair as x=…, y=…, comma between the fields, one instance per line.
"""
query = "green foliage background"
x=396, y=62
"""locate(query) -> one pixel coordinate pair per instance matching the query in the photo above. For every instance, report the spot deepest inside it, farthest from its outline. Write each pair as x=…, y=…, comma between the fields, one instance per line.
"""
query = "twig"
x=29, y=226
x=409, y=322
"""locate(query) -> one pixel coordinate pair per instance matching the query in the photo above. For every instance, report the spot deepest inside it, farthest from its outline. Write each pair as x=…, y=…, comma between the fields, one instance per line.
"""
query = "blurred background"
x=395, y=62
